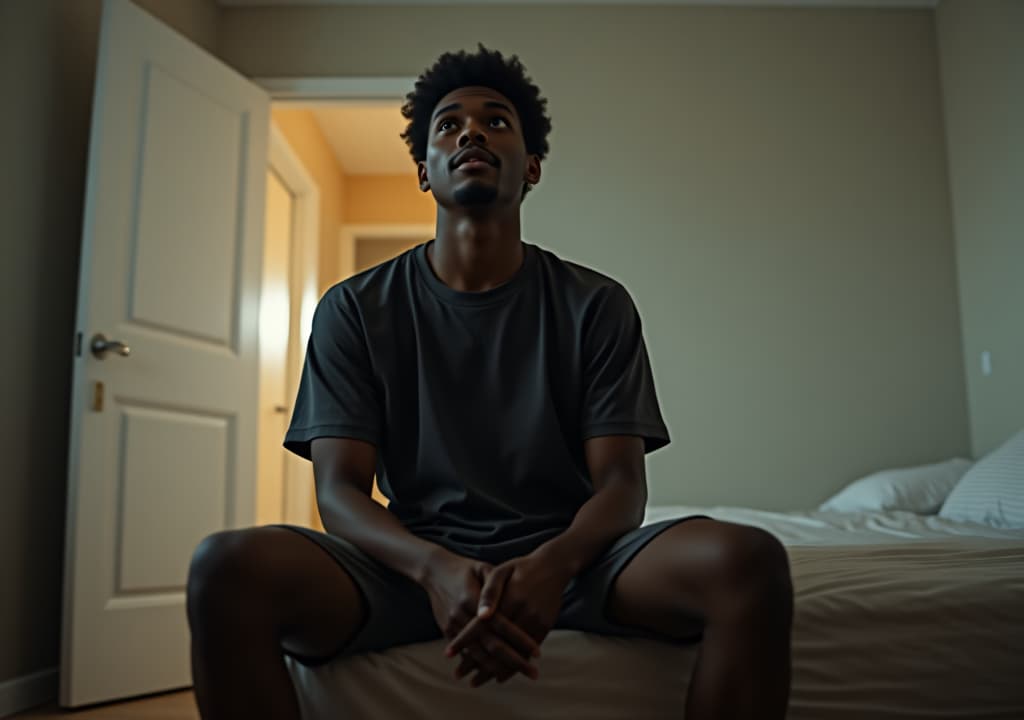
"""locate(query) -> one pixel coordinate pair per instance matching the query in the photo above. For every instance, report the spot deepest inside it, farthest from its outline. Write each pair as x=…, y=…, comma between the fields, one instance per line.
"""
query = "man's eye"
x=445, y=123
x=500, y=119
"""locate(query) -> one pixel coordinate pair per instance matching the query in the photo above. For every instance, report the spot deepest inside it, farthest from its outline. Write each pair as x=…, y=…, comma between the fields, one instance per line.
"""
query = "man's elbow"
x=630, y=494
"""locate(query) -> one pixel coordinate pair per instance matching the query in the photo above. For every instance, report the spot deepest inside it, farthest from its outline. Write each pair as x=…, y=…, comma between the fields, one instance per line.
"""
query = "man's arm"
x=616, y=465
x=343, y=469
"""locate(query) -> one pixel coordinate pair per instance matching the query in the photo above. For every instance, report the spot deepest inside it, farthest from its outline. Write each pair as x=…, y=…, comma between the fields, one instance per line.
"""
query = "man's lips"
x=474, y=157
x=473, y=165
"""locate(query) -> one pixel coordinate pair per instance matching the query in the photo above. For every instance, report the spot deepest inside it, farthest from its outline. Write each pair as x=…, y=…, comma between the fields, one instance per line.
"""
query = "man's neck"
x=475, y=253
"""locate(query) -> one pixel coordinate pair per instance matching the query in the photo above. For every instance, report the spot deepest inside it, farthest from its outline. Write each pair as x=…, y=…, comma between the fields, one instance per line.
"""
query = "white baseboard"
x=27, y=692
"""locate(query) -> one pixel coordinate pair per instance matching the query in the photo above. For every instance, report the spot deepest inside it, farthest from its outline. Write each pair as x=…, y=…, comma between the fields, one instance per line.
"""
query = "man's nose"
x=471, y=132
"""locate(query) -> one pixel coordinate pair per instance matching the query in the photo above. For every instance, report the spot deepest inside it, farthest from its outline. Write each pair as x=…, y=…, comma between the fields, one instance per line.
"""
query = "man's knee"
x=753, y=570
x=218, y=572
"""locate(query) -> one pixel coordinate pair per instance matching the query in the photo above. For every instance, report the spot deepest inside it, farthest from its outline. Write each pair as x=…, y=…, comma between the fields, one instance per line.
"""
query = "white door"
x=163, y=438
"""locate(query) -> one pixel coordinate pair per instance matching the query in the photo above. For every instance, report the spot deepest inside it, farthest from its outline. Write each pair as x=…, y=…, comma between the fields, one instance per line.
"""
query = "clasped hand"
x=495, y=617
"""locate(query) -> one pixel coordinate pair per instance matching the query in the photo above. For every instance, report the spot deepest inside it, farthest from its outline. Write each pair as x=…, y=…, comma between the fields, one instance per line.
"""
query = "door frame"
x=341, y=89
x=303, y=291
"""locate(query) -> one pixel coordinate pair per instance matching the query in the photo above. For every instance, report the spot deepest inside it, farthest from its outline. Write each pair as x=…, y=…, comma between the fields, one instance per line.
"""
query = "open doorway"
x=288, y=295
x=357, y=173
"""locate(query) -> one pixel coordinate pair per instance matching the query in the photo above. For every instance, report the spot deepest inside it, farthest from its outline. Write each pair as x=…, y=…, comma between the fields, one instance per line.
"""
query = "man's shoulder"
x=375, y=285
x=580, y=282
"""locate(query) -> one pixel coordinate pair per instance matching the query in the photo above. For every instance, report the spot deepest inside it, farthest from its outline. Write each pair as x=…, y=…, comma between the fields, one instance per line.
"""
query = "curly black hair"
x=486, y=68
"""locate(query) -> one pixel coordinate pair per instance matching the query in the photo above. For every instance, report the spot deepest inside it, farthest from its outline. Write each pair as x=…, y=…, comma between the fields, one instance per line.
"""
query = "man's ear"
x=532, y=174
x=421, y=173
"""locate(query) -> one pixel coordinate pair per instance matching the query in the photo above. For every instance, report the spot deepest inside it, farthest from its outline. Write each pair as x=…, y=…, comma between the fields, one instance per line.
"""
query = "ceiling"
x=365, y=137
x=757, y=3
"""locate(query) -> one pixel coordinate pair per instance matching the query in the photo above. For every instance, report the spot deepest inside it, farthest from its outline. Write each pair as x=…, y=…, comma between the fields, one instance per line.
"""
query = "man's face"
x=476, y=155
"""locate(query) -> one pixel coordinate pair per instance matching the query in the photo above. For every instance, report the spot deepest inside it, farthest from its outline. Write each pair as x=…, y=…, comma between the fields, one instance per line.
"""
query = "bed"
x=899, y=615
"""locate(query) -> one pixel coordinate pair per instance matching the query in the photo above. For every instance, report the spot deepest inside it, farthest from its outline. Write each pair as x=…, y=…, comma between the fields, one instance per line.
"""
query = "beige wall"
x=382, y=200
x=47, y=66
x=372, y=252
x=307, y=140
x=769, y=184
x=198, y=20
x=982, y=44
x=388, y=199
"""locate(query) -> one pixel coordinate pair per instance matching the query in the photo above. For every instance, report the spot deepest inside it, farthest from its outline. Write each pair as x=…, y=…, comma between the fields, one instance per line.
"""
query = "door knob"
x=100, y=346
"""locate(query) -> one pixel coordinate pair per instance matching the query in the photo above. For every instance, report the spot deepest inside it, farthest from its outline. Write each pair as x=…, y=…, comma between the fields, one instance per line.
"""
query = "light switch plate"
x=986, y=362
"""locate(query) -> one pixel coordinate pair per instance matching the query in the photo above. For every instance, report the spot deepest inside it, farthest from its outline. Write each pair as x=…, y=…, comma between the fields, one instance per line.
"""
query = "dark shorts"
x=398, y=609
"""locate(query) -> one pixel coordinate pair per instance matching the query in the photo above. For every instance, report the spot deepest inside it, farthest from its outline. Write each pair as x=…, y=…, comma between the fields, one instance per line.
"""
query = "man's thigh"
x=397, y=609
x=688, y=573
x=587, y=600
x=271, y=583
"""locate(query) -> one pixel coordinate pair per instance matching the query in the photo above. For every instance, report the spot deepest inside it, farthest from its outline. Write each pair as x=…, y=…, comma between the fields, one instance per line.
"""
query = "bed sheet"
x=816, y=527
x=896, y=618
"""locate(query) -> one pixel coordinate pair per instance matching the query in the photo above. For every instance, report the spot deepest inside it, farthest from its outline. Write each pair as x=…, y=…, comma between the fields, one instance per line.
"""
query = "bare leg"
x=732, y=580
x=252, y=593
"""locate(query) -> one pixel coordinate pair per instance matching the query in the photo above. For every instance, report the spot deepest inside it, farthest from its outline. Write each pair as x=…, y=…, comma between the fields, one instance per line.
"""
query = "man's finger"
x=490, y=595
x=507, y=656
x=462, y=619
x=490, y=651
x=480, y=678
x=466, y=665
x=467, y=635
x=515, y=636
x=475, y=656
x=522, y=641
x=485, y=663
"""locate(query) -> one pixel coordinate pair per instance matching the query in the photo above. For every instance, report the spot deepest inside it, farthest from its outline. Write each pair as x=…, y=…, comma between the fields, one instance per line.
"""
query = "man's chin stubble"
x=476, y=194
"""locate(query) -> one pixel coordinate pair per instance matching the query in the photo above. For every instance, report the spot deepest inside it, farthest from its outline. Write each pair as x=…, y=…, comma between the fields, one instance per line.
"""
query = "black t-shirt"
x=478, y=402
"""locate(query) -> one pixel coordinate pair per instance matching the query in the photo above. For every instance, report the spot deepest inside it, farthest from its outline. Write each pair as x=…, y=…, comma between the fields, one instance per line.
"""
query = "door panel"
x=186, y=252
x=172, y=460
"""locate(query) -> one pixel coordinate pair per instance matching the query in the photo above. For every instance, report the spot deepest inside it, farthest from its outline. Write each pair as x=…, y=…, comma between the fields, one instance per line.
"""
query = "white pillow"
x=920, y=489
x=992, y=491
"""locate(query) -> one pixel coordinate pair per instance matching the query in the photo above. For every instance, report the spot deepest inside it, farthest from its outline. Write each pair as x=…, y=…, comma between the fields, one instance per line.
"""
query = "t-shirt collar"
x=485, y=297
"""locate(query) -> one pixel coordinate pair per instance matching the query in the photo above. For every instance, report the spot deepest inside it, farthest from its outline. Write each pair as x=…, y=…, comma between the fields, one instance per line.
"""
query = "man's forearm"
x=614, y=510
x=354, y=516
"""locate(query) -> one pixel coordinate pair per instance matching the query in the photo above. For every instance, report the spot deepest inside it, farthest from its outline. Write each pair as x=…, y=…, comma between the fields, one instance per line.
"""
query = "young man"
x=505, y=401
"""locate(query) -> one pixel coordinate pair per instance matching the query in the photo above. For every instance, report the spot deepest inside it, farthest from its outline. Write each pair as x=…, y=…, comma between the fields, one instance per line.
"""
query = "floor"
x=178, y=705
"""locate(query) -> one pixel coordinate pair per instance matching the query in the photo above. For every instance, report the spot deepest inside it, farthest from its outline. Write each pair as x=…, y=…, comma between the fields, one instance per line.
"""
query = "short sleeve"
x=618, y=384
x=338, y=393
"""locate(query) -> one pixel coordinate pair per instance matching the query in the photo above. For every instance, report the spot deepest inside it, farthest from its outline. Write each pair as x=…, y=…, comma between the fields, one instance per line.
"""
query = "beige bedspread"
x=924, y=627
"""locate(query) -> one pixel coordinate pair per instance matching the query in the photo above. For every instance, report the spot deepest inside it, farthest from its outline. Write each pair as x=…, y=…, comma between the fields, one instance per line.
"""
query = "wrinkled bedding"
x=898, y=616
